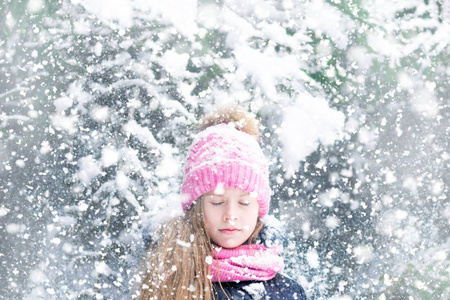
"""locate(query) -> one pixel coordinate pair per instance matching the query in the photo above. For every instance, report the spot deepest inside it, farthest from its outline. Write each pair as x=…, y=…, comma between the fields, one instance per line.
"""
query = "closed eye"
x=216, y=203
x=244, y=203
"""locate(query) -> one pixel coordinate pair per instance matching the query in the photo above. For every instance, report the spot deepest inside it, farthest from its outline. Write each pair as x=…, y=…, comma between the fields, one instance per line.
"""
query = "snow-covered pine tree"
x=97, y=108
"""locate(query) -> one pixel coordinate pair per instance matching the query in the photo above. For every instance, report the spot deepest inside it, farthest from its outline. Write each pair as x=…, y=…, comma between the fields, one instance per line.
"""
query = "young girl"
x=218, y=249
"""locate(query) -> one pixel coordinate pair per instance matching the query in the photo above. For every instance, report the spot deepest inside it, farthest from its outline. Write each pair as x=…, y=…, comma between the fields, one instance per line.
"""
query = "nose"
x=230, y=213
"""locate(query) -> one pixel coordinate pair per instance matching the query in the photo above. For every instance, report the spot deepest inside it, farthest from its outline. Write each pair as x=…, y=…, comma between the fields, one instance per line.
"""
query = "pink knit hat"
x=223, y=156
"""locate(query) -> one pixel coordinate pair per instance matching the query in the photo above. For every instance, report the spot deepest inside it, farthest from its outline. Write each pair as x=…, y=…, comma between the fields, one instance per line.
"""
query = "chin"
x=228, y=245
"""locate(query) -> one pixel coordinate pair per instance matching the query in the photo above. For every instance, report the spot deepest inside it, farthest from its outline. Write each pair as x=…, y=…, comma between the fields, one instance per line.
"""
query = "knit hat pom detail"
x=227, y=154
x=236, y=116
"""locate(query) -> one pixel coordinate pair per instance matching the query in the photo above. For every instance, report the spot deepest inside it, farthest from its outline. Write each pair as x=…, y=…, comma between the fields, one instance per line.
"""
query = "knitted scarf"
x=246, y=262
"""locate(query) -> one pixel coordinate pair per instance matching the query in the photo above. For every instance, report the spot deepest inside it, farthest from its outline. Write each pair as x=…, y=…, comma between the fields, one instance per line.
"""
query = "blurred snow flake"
x=420, y=285
x=324, y=125
x=34, y=6
x=389, y=176
x=20, y=163
x=312, y=257
x=437, y=187
x=405, y=82
x=51, y=291
x=14, y=228
x=134, y=103
x=368, y=137
x=363, y=253
x=98, y=49
x=441, y=255
x=175, y=63
x=410, y=183
x=45, y=147
x=424, y=103
x=100, y=114
x=256, y=290
x=397, y=223
x=37, y=275
x=67, y=248
x=110, y=156
x=102, y=268
x=191, y=288
x=3, y=211
x=327, y=198
x=66, y=123
x=332, y=222
x=62, y=103
x=446, y=213
x=56, y=241
x=88, y=169
x=360, y=58
x=387, y=280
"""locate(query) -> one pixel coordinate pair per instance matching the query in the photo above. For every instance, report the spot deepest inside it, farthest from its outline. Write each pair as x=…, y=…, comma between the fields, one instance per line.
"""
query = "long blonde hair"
x=175, y=267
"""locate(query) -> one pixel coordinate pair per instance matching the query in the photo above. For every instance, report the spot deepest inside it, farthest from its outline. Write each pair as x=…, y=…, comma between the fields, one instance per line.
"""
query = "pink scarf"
x=246, y=262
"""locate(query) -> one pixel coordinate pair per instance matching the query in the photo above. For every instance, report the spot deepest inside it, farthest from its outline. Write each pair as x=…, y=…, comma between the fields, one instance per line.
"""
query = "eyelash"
x=241, y=203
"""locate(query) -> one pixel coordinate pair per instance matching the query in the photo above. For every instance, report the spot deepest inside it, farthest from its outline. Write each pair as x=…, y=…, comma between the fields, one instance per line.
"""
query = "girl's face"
x=230, y=216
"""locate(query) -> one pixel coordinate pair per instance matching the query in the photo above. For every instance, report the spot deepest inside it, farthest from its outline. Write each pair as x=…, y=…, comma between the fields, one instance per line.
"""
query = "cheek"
x=253, y=217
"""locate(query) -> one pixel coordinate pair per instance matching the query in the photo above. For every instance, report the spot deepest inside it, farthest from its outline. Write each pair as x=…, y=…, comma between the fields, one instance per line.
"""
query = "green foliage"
x=430, y=281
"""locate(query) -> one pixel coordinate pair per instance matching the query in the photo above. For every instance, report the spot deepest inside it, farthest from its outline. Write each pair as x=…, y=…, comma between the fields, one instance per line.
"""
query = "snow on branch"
x=144, y=135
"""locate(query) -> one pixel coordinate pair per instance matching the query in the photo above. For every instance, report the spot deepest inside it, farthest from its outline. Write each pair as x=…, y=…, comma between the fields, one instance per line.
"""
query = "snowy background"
x=99, y=100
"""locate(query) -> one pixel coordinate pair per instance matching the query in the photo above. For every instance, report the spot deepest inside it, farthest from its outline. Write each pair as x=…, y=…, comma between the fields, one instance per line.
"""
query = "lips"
x=229, y=231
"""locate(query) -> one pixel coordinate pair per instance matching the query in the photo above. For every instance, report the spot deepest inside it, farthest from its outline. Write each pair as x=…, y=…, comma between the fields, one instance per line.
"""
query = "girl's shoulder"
x=279, y=287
